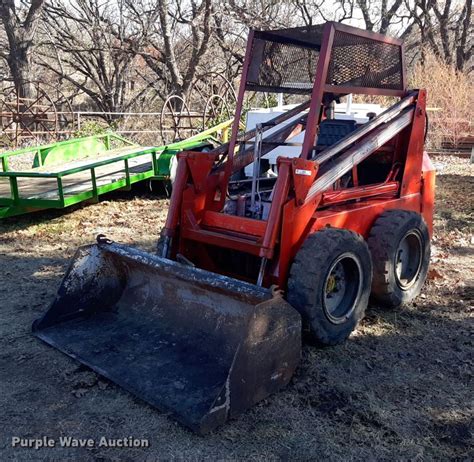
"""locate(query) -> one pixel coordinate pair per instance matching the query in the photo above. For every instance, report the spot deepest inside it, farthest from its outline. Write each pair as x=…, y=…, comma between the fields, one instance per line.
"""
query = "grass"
x=400, y=388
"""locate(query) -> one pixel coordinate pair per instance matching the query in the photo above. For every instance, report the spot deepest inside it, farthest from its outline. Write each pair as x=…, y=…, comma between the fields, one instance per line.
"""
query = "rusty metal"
x=175, y=116
x=216, y=110
x=40, y=118
x=147, y=324
x=208, y=85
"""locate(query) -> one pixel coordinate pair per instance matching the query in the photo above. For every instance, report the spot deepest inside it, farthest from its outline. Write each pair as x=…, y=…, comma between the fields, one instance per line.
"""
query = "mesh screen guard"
x=358, y=61
x=285, y=61
x=281, y=67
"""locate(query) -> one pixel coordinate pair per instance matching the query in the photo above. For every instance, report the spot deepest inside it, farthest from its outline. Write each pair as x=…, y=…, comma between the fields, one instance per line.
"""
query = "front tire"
x=329, y=283
x=400, y=246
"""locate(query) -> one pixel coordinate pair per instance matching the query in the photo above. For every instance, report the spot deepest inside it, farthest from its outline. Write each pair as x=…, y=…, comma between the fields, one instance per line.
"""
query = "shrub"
x=94, y=127
x=450, y=99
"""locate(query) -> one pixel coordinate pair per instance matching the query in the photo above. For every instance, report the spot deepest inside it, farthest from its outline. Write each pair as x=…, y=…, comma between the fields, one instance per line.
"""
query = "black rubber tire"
x=384, y=241
x=307, y=284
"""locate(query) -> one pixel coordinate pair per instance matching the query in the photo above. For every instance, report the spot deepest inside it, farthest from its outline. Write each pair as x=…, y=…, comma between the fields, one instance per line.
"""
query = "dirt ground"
x=400, y=388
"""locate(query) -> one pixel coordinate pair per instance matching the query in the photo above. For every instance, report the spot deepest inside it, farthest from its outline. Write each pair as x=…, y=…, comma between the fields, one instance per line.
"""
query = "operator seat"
x=333, y=130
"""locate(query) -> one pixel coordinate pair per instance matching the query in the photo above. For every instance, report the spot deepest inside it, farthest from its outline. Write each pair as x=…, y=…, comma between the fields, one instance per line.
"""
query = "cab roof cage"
x=287, y=61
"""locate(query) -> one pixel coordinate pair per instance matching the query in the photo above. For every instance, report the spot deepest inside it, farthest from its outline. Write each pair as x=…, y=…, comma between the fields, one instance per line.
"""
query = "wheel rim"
x=408, y=258
x=342, y=288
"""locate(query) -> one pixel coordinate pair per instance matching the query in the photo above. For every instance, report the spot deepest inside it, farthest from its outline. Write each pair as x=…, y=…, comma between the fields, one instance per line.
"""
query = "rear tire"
x=400, y=246
x=329, y=283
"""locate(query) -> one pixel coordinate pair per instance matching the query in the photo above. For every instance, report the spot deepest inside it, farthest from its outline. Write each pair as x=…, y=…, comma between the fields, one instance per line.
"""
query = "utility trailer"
x=212, y=324
x=82, y=169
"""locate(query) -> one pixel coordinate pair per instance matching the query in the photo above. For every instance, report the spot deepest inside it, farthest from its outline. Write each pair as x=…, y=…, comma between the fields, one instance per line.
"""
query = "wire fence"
x=143, y=127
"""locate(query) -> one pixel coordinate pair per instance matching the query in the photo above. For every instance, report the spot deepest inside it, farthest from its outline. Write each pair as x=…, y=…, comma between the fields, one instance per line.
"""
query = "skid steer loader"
x=212, y=323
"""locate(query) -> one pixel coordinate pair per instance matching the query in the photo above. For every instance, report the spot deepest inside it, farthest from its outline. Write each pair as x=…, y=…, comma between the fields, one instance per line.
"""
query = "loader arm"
x=300, y=181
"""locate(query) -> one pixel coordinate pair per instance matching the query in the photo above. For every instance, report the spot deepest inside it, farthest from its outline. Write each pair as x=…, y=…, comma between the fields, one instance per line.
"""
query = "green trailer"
x=68, y=172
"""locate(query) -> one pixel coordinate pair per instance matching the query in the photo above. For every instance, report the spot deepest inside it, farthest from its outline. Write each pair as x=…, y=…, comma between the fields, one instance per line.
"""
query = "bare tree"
x=262, y=14
x=463, y=37
x=93, y=45
x=113, y=50
x=445, y=28
x=317, y=11
x=382, y=16
x=20, y=25
x=442, y=26
x=177, y=48
x=233, y=19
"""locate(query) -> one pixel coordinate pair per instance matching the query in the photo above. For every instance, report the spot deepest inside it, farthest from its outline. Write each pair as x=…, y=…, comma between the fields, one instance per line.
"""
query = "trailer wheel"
x=400, y=246
x=329, y=283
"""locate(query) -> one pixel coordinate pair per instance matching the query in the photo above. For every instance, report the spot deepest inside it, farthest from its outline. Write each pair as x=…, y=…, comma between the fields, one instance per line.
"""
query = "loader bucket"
x=201, y=346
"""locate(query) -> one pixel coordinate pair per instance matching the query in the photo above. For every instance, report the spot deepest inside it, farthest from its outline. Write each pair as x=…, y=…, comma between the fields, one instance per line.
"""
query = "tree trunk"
x=21, y=41
x=19, y=62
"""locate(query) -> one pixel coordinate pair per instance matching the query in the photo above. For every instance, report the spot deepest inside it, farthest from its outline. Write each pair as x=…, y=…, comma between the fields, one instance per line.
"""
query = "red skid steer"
x=212, y=323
